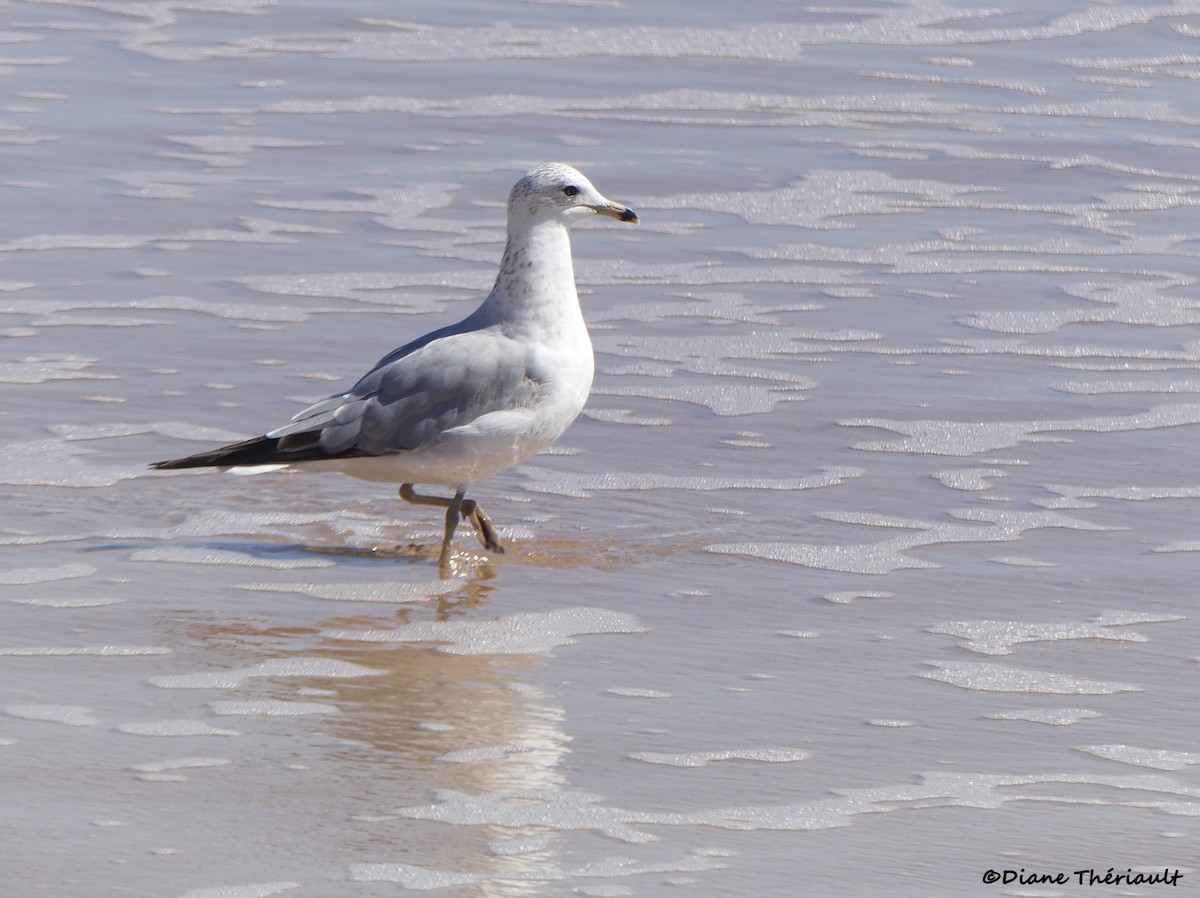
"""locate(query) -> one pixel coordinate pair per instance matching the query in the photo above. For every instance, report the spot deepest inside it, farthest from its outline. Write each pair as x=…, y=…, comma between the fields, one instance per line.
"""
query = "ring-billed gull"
x=469, y=400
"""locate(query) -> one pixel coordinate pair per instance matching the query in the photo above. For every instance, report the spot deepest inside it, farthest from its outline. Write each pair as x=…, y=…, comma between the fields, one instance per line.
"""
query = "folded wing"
x=414, y=395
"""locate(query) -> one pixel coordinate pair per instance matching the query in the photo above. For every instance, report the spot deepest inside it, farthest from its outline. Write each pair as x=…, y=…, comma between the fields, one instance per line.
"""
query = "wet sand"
x=868, y=567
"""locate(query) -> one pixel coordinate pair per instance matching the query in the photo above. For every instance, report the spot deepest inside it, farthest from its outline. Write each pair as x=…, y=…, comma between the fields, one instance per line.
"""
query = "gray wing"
x=447, y=379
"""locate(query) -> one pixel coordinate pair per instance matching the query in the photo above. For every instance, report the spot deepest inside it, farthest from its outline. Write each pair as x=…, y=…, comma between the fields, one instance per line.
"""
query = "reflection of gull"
x=469, y=400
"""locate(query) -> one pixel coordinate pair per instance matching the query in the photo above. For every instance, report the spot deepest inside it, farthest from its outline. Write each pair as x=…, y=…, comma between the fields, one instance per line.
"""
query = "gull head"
x=558, y=192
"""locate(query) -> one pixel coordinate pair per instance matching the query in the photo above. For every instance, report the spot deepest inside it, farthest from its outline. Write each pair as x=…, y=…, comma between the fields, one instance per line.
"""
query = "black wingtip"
x=258, y=451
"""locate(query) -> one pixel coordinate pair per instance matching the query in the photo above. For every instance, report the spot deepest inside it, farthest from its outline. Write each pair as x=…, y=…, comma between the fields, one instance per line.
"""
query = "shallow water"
x=868, y=567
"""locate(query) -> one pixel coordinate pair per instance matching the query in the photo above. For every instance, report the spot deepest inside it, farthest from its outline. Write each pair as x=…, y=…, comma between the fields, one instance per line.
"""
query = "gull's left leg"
x=453, y=513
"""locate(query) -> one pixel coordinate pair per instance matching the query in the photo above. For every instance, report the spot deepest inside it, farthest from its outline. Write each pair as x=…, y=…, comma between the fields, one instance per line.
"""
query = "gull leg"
x=453, y=512
x=408, y=494
x=483, y=526
x=457, y=509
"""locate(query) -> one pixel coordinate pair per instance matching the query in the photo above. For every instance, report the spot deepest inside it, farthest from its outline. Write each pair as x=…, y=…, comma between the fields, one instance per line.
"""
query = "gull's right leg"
x=483, y=526
x=457, y=509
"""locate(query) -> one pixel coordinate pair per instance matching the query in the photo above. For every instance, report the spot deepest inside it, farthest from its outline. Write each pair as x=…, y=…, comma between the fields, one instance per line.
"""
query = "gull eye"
x=570, y=190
